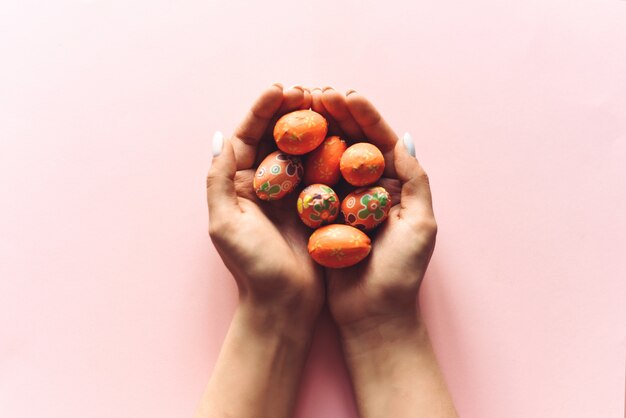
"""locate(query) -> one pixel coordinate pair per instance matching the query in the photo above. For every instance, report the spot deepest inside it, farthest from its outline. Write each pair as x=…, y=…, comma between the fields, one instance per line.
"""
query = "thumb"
x=220, y=186
x=415, y=198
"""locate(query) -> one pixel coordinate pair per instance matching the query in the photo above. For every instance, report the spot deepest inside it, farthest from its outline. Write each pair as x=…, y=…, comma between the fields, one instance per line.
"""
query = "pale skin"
x=282, y=291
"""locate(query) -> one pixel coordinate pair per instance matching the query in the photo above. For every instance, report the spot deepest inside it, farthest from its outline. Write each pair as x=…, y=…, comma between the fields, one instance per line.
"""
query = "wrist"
x=377, y=333
x=265, y=320
x=394, y=368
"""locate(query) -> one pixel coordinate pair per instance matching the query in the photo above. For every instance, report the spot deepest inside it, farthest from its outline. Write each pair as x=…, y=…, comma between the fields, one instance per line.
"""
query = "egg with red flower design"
x=366, y=208
x=317, y=205
x=278, y=175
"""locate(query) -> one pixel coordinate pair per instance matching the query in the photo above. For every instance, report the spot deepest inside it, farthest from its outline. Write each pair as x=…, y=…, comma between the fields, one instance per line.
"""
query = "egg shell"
x=300, y=132
x=318, y=205
x=322, y=164
x=338, y=246
x=366, y=208
x=277, y=175
x=362, y=164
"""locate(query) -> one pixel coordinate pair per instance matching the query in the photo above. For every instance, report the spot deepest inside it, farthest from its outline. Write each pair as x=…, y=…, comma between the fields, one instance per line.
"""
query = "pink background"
x=113, y=303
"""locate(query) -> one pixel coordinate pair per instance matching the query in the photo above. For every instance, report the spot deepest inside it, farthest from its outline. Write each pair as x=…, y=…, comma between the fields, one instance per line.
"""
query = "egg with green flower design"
x=317, y=205
x=366, y=208
x=278, y=175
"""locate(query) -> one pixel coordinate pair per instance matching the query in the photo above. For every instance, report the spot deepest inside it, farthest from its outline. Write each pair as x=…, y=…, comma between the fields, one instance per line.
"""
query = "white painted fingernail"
x=218, y=143
x=408, y=143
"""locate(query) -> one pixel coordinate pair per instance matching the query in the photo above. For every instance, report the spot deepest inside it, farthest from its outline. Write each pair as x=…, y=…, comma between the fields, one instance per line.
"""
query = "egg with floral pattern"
x=317, y=205
x=322, y=164
x=362, y=164
x=300, y=131
x=338, y=246
x=278, y=175
x=365, y=208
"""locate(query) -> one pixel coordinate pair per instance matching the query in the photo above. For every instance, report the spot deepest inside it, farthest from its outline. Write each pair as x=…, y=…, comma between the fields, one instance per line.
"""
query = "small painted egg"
x=277, y=175
x=318, y=205
x=300, y=132
x=367, y=207
x=338, y=246
x=362, y=164
x=322, y=164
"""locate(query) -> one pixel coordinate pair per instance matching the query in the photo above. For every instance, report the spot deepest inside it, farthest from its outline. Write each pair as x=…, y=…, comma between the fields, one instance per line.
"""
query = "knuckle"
x=429, y=230
x=219, y=229
x=426, y=230
x=429, y=226
x=214, y=230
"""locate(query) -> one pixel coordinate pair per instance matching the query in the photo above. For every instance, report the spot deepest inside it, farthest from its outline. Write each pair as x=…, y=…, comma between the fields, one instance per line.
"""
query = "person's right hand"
x=281, y=289
x=263, y=244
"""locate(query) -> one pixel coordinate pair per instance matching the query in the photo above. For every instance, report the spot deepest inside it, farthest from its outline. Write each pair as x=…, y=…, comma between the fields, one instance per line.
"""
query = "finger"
x=335, y=103
x=293, y=98
x=375, y=128
x=415, y=196
x=318, y=106
x=306, y=103
x=220, y=186
x=250, y=131
x=243, y=185
x=393, y=187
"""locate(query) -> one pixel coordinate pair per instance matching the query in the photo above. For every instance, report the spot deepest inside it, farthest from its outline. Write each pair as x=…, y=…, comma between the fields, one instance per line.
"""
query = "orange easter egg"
x=367, y=207
x=277, y=175
x=318, y=205
x=300, y=132
x=362, y=164
x=322, y=164
x=338, y=245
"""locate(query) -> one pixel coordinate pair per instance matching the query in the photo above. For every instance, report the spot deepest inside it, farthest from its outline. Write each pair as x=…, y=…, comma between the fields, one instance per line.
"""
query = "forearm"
x=394, y=369
x=259, y=366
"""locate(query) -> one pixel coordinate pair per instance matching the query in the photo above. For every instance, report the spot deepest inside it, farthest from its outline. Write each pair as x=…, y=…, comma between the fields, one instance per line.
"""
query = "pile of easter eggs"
x=305, y=153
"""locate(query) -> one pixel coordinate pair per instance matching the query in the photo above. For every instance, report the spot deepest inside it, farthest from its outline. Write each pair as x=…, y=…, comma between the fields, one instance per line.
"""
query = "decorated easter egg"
x=338, y=245
x=322, y=164
x=318, y=205
x=362, y=164
x=367, y=207
x=277, y=175
x=300, y=132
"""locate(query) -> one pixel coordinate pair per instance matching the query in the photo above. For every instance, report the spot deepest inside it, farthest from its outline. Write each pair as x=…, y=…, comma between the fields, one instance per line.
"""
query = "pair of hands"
x=264, y=244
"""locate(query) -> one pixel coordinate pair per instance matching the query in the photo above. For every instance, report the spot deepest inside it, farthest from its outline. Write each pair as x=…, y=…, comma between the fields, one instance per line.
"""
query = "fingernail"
x=316, y=89
x=218, y=143
x=349, y=92
x=296, y=86
x=408, y=143
x=327, y=88
x=280, y=86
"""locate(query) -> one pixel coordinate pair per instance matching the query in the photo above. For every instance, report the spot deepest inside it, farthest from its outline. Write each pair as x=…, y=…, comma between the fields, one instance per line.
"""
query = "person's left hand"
x=384, y=286
x=263, y=244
